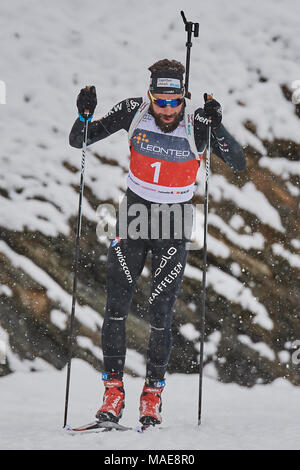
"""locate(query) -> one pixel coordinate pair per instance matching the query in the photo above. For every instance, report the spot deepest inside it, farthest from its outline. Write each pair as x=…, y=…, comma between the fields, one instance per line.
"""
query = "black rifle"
x=191, y=28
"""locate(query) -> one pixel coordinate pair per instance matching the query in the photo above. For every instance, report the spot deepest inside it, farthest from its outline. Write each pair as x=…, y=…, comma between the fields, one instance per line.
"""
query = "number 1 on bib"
x=157, y=166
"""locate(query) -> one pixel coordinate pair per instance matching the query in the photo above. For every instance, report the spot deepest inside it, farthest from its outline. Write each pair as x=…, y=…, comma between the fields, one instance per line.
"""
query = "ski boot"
x=113, y=399
x=151, y=403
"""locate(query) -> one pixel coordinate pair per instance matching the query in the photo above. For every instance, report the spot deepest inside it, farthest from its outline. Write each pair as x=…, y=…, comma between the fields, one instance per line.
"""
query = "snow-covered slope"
x=265, y=417
x=244, y=54
x=247, y=55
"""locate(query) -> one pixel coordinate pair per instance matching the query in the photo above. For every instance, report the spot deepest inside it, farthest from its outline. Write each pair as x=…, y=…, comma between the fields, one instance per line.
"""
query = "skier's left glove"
x=213, y=110
x=87, y=102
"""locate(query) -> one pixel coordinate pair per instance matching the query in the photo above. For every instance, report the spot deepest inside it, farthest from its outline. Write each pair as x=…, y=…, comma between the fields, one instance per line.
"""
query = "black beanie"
x=166, y=82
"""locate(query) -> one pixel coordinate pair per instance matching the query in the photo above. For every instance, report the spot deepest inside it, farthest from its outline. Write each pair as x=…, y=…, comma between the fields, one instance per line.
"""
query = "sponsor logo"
x=163, y=151
x=147, y=117
x=116, y=241
x=123, y=264
x=168, y=82
x=164, y=260
x=115, y=109
x=202, y=119
x=164, y=283
x=141, y=137
x=223, y=146
x=131, y=104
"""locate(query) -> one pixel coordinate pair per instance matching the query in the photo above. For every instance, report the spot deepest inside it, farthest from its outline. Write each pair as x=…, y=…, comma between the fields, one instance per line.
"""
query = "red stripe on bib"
x=163, y=172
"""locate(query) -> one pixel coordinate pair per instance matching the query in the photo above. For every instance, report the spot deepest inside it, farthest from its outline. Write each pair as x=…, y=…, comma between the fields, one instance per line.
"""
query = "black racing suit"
x=127, y=255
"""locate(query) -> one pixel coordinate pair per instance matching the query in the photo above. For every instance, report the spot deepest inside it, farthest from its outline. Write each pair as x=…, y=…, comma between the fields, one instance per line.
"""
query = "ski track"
x=233, y=417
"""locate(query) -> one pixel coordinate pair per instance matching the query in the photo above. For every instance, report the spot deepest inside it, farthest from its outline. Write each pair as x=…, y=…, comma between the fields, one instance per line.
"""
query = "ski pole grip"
x=208, y=97
x=87, y=113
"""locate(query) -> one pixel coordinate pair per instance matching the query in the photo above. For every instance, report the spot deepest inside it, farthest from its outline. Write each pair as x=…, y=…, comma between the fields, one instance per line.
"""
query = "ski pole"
x=207, y=168
x=191, y=28
x=76, y=261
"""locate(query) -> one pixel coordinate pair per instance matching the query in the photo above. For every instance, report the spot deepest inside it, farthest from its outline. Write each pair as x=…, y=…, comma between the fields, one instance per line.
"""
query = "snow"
x=255, y=240
x=248, y=198
x=51, y=51
x=236, y=221
x=217, y=247
x=235, y=269
x=296, y=92
x=2, y=92
x=233, y=417
x=87, y=343
x=294, y=190
x=295, y=243
x=284, y=357
x=293, y=259
x=58, y=318
x=233, y=290
x=189, y=331
x=5, y=290
x=50, y=54
x=280, y=166
x=85, y=314
x=211, y=343
x=260, y=347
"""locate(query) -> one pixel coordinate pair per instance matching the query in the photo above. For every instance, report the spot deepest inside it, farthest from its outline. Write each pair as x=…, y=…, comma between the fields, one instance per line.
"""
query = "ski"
x=97, y=426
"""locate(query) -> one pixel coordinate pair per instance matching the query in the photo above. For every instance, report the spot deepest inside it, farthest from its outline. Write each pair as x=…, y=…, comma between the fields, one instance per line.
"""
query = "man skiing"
x=165, y=156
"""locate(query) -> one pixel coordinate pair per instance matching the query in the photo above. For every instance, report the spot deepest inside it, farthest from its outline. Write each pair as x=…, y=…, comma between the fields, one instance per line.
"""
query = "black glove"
x=213, y=110
x=87, y=101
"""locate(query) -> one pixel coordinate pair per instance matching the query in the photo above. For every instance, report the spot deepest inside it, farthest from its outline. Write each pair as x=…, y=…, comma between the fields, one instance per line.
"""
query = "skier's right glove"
x=86, y=103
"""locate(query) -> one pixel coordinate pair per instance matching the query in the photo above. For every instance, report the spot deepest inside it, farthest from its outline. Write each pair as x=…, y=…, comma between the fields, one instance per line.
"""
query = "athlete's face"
x=168, y=118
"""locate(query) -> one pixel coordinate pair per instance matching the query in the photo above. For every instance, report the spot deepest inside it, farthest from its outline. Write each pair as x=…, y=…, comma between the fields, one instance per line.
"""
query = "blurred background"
x=247, y=55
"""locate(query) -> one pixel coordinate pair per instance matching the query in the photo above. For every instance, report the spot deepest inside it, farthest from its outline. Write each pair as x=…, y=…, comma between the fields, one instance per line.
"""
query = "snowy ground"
x=264, y=417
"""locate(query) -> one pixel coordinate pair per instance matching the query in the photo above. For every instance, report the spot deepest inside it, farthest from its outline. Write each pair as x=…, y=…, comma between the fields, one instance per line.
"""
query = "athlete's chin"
x=167, y=124
x=167, y=121
x=168, y=118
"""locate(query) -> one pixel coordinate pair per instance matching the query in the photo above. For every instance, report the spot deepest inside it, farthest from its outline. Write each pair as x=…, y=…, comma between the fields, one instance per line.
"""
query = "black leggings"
x=126, y=260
